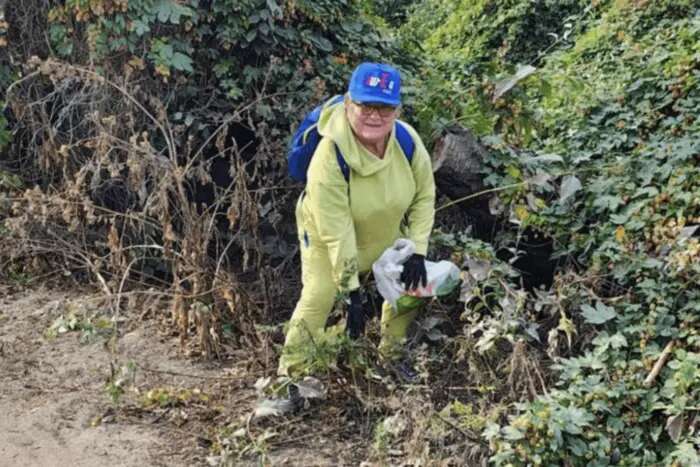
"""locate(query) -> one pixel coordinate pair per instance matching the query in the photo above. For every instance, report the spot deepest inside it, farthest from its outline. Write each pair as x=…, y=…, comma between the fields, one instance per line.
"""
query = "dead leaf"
x=620, y=234
x=273, y=408
x=311, y=388
x=261, y=384
x=507, y=84
x=479, y=269
x=394, y=425
x=674, y=427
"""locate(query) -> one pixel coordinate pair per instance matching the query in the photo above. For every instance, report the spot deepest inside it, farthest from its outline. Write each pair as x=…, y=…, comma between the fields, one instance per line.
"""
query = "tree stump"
x=457, y=161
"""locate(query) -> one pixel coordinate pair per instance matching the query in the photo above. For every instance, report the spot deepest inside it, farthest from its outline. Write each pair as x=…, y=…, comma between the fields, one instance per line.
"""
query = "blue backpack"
x=306, y=139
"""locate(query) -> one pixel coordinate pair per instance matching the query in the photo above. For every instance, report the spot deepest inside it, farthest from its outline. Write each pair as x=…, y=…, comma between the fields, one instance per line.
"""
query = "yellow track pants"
x=307, y=325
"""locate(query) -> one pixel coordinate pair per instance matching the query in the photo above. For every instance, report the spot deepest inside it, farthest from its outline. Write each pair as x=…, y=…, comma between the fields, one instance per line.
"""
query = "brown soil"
x=55, y=409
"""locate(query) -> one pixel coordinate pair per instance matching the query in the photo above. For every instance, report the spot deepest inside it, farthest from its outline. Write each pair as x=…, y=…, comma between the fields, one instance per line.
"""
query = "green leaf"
x=506, y=85
x=322, y=43
x=618, y=341
x=491, y=431
x=569, y=186
x=546, y=158
x=140, y=27
x=611, y=202
x=274, y=9
x=674, y=427
x=251, y=35
x=598, y=315
x=181, y=62
x=170, y=11
x=165, y=52
x=512, y=433
x=163, y=9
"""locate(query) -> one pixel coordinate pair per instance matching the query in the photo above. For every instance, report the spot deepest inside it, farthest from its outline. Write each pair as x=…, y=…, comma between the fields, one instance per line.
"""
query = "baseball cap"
x=375, y=83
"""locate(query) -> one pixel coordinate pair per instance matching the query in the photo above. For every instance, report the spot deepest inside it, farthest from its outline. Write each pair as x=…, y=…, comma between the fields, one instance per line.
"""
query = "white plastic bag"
x=442, y=276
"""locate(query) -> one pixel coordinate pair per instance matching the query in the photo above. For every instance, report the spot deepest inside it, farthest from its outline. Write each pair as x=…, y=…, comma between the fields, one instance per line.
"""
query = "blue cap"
x=377, y=83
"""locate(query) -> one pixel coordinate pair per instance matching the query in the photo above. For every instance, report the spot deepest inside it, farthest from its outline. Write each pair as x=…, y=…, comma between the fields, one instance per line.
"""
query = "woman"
x=344, y=225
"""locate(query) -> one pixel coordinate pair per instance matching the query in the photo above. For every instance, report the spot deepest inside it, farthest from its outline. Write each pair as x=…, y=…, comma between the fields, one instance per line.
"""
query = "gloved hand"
x=414, y=273
x=355, y=322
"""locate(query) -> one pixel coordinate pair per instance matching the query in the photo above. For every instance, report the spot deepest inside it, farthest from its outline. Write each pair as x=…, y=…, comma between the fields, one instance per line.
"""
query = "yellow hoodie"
x=383, y=200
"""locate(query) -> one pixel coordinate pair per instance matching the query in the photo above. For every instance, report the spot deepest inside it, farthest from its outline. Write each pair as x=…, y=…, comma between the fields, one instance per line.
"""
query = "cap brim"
x=371, y=99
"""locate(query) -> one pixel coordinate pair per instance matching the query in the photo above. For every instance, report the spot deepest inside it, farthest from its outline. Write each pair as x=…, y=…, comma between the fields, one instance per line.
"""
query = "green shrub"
x=597, y=150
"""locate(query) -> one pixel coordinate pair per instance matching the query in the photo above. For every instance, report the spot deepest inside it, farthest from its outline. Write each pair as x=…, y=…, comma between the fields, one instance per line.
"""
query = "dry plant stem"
x=185, y=247
x=541, y=378
x=125, y=93
x=188, y=375
x=92, y=267
x=480, y=193
x=125, y=215
x=11, y=87
x=121, y=288
x=658, y=366
x=164, y=127
x=461, y=431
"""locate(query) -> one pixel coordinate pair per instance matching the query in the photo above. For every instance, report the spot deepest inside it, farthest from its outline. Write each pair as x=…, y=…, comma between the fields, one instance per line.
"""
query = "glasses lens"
x=382, y=110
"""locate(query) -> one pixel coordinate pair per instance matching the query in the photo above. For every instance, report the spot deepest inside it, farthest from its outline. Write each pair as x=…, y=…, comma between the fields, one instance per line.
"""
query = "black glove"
x=414, y=273
x=355, y=323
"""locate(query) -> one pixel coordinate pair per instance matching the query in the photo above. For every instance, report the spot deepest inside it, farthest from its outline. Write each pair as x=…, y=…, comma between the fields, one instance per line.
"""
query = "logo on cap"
x=383, y=81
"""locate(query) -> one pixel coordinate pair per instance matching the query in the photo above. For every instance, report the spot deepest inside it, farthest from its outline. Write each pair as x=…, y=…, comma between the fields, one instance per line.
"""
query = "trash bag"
x=443, y=276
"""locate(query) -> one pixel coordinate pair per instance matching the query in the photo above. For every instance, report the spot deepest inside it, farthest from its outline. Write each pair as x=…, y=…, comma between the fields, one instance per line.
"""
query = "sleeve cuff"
x=421, y=247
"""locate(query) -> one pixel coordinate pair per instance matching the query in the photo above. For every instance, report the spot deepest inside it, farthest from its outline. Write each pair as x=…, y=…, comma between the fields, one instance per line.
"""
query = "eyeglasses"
x=382, y=110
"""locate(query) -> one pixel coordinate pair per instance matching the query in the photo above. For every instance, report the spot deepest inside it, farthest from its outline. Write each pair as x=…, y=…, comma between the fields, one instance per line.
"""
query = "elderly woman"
x=345, y=221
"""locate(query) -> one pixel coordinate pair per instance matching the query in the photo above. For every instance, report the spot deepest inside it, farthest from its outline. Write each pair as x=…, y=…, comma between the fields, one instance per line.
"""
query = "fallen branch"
x=649, y=381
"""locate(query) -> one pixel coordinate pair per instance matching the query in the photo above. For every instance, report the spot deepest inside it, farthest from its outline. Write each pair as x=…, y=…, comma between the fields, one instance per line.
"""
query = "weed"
x=119, y=379
x=236, y=442
x=171, y=397
x=90, y=328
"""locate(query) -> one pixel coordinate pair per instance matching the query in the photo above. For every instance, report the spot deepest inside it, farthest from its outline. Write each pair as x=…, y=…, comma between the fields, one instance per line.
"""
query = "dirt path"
x=54, y=409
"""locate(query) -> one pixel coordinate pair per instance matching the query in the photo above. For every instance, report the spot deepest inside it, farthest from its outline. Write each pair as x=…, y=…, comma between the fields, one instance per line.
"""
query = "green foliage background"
x=610, y=114
x=238, y=51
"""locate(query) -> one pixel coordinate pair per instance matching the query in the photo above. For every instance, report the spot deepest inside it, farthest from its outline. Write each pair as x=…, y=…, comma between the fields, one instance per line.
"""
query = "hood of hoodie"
x=334, y=124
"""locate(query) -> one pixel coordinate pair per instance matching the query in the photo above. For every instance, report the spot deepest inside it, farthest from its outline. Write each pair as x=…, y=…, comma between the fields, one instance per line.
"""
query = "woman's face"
x=371, y=123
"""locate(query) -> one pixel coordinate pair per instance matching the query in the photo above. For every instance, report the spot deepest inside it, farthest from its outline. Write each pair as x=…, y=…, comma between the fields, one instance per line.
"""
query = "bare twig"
x=658, y=366
x=480, y=193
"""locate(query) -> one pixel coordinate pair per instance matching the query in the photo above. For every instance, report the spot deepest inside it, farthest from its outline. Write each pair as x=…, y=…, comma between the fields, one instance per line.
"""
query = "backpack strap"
x=338, y=155
x=408, y=146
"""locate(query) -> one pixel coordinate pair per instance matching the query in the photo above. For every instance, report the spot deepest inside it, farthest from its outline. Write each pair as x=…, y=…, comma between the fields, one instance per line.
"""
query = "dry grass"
x=113, y=200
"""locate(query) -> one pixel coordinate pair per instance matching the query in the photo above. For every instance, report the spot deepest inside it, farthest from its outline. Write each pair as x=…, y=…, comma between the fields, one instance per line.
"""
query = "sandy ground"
x=54, y=409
